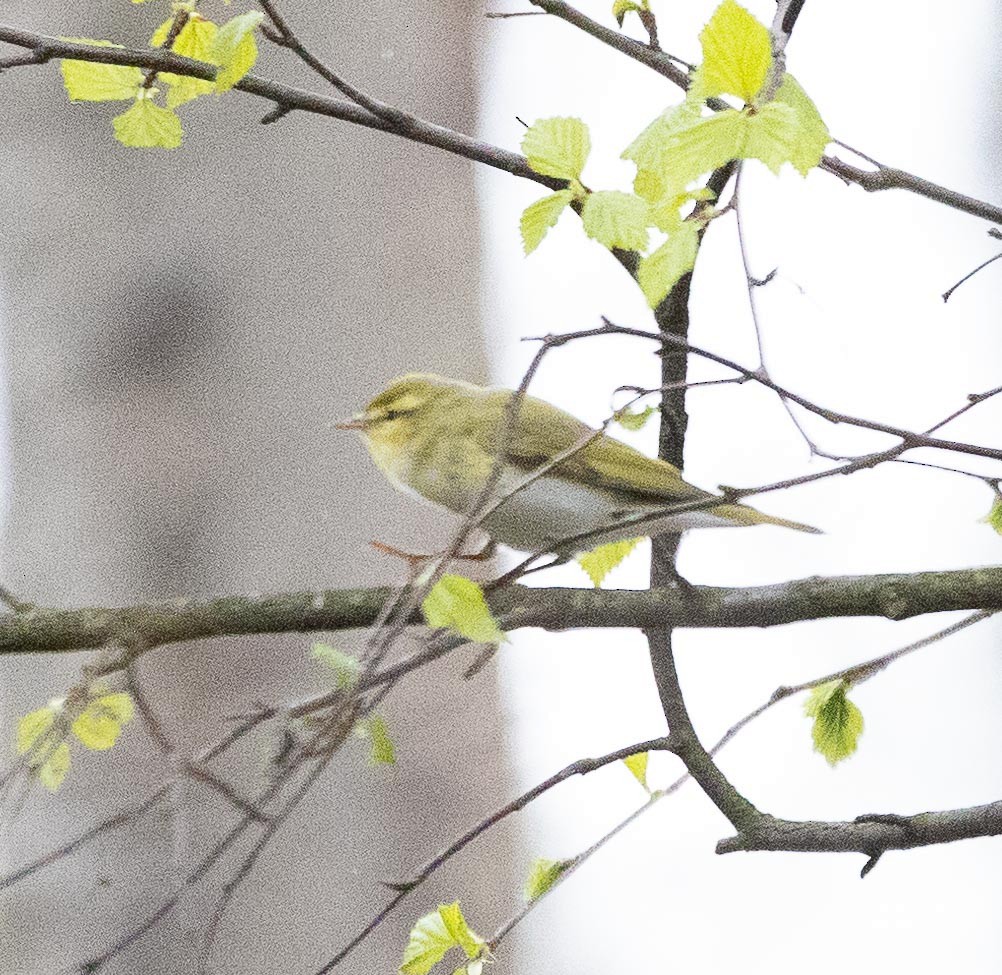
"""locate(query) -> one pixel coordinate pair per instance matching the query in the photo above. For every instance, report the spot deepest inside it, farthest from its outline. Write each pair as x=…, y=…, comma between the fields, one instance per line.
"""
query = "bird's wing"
x=543, y=431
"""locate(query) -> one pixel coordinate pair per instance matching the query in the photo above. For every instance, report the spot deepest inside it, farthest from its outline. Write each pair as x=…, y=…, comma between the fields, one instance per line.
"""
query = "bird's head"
x=398, y=417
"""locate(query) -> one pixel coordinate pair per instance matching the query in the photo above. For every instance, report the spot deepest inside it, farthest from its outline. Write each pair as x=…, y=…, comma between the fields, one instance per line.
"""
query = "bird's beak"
x=357, y=422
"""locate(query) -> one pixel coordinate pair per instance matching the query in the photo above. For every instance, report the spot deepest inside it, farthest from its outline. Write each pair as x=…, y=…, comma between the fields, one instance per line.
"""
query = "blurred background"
x=181, y=329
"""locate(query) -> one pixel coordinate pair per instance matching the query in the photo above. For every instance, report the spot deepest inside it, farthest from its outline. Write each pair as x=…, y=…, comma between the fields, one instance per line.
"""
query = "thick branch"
x=871, y=835
x=892, y=596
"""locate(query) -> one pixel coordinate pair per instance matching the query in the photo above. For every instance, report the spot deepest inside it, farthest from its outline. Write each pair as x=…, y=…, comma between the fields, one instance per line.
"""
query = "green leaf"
x=235, y=49
x=812, y=134
x=993, y=518
x=459, y=930
x=543, y=874
x=347, y=668
x=557, y=147
x=616, y=219
x=838, y=723
x=658, y=273
x=100, y=724
x=772, y=135
x=146, y=125
x=196, y=41
x=381, y=750
x=705, y=145
x=427, y=944
x=87, y=81
x=53, y=770
x=737, y=53
x=458, y=604
x=538, y=217
x=629, y=420
x=600, y=561
x=637, y=764
x=650, y=149
x=621, y=8
x=33, y=725
x=51, y=762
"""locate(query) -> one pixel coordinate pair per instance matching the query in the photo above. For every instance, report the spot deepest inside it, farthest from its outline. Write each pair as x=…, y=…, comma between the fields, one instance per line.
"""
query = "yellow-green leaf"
x=53, y=770
x=630, y=420
x=196, y=41
x=100, y=723
x=235, y=49
x=658, y=273
x=538, y=217
x=616, y=219
x=33, y=725
x=637, y=764
x=993, y=518
x=600, y=561
x=458, y=603
x=87, y=81
x=772, y=135
x=461, y=933
x=381, y=749
x=621, y=8
x=347, y=668
x=650, y=150
x=557, y=147
x=737, y=53
x=838, y=723
x=146, y=125
x=812, y=134
x=427, y=944
x=543, y=874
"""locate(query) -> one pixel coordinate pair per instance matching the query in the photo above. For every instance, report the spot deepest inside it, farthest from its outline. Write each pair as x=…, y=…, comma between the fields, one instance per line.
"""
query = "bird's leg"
x=414, y=559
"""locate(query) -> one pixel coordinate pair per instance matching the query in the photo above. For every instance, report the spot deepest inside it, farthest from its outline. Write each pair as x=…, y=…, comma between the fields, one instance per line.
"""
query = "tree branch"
x=893, y=596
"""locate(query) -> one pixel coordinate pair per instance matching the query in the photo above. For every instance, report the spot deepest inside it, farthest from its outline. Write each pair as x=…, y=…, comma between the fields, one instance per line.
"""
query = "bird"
x=563, y=487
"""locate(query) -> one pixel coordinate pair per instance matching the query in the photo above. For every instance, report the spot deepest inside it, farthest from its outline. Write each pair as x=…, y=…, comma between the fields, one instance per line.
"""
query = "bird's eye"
x=393, y=414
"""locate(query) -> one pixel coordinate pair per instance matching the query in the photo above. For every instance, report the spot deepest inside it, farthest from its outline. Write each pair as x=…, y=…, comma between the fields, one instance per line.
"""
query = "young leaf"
x=538, y=217
x=557, y=147
x=51, y=761
x=87, y=81
x=196, y=41
x=993, y=518
x=381, y=750
x=634, y=421
x=704, y=145
x=149, y=126
x=658, y=273
x=235, y=49
x=600, y=561
x=621, y=8
x=100, y=724
x=543, y=874
x=458, y=604
x=459, y=930
x=737, y=53
x=616, y=219
x=812, y=134
x=650, y=149
x=33, y=725
x=347, y=668
x=838, y=723
x=637, y=764
x=53, y=770
x=427, y=944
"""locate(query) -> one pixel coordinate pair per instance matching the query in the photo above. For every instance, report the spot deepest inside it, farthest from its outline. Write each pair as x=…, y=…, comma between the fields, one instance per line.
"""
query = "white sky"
x=855, y=322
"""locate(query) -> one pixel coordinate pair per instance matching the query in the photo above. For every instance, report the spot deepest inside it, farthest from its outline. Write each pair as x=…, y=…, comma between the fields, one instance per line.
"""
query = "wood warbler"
x=438, y=438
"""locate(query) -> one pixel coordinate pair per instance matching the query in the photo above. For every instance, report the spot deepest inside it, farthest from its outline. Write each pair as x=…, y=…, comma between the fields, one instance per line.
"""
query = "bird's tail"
x=741, y=514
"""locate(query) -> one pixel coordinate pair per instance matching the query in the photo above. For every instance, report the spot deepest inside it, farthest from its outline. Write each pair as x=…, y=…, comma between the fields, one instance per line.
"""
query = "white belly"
x=540, y=516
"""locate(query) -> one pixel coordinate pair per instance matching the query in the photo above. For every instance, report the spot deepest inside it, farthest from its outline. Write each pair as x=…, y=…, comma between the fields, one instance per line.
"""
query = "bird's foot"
x=415, y=559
